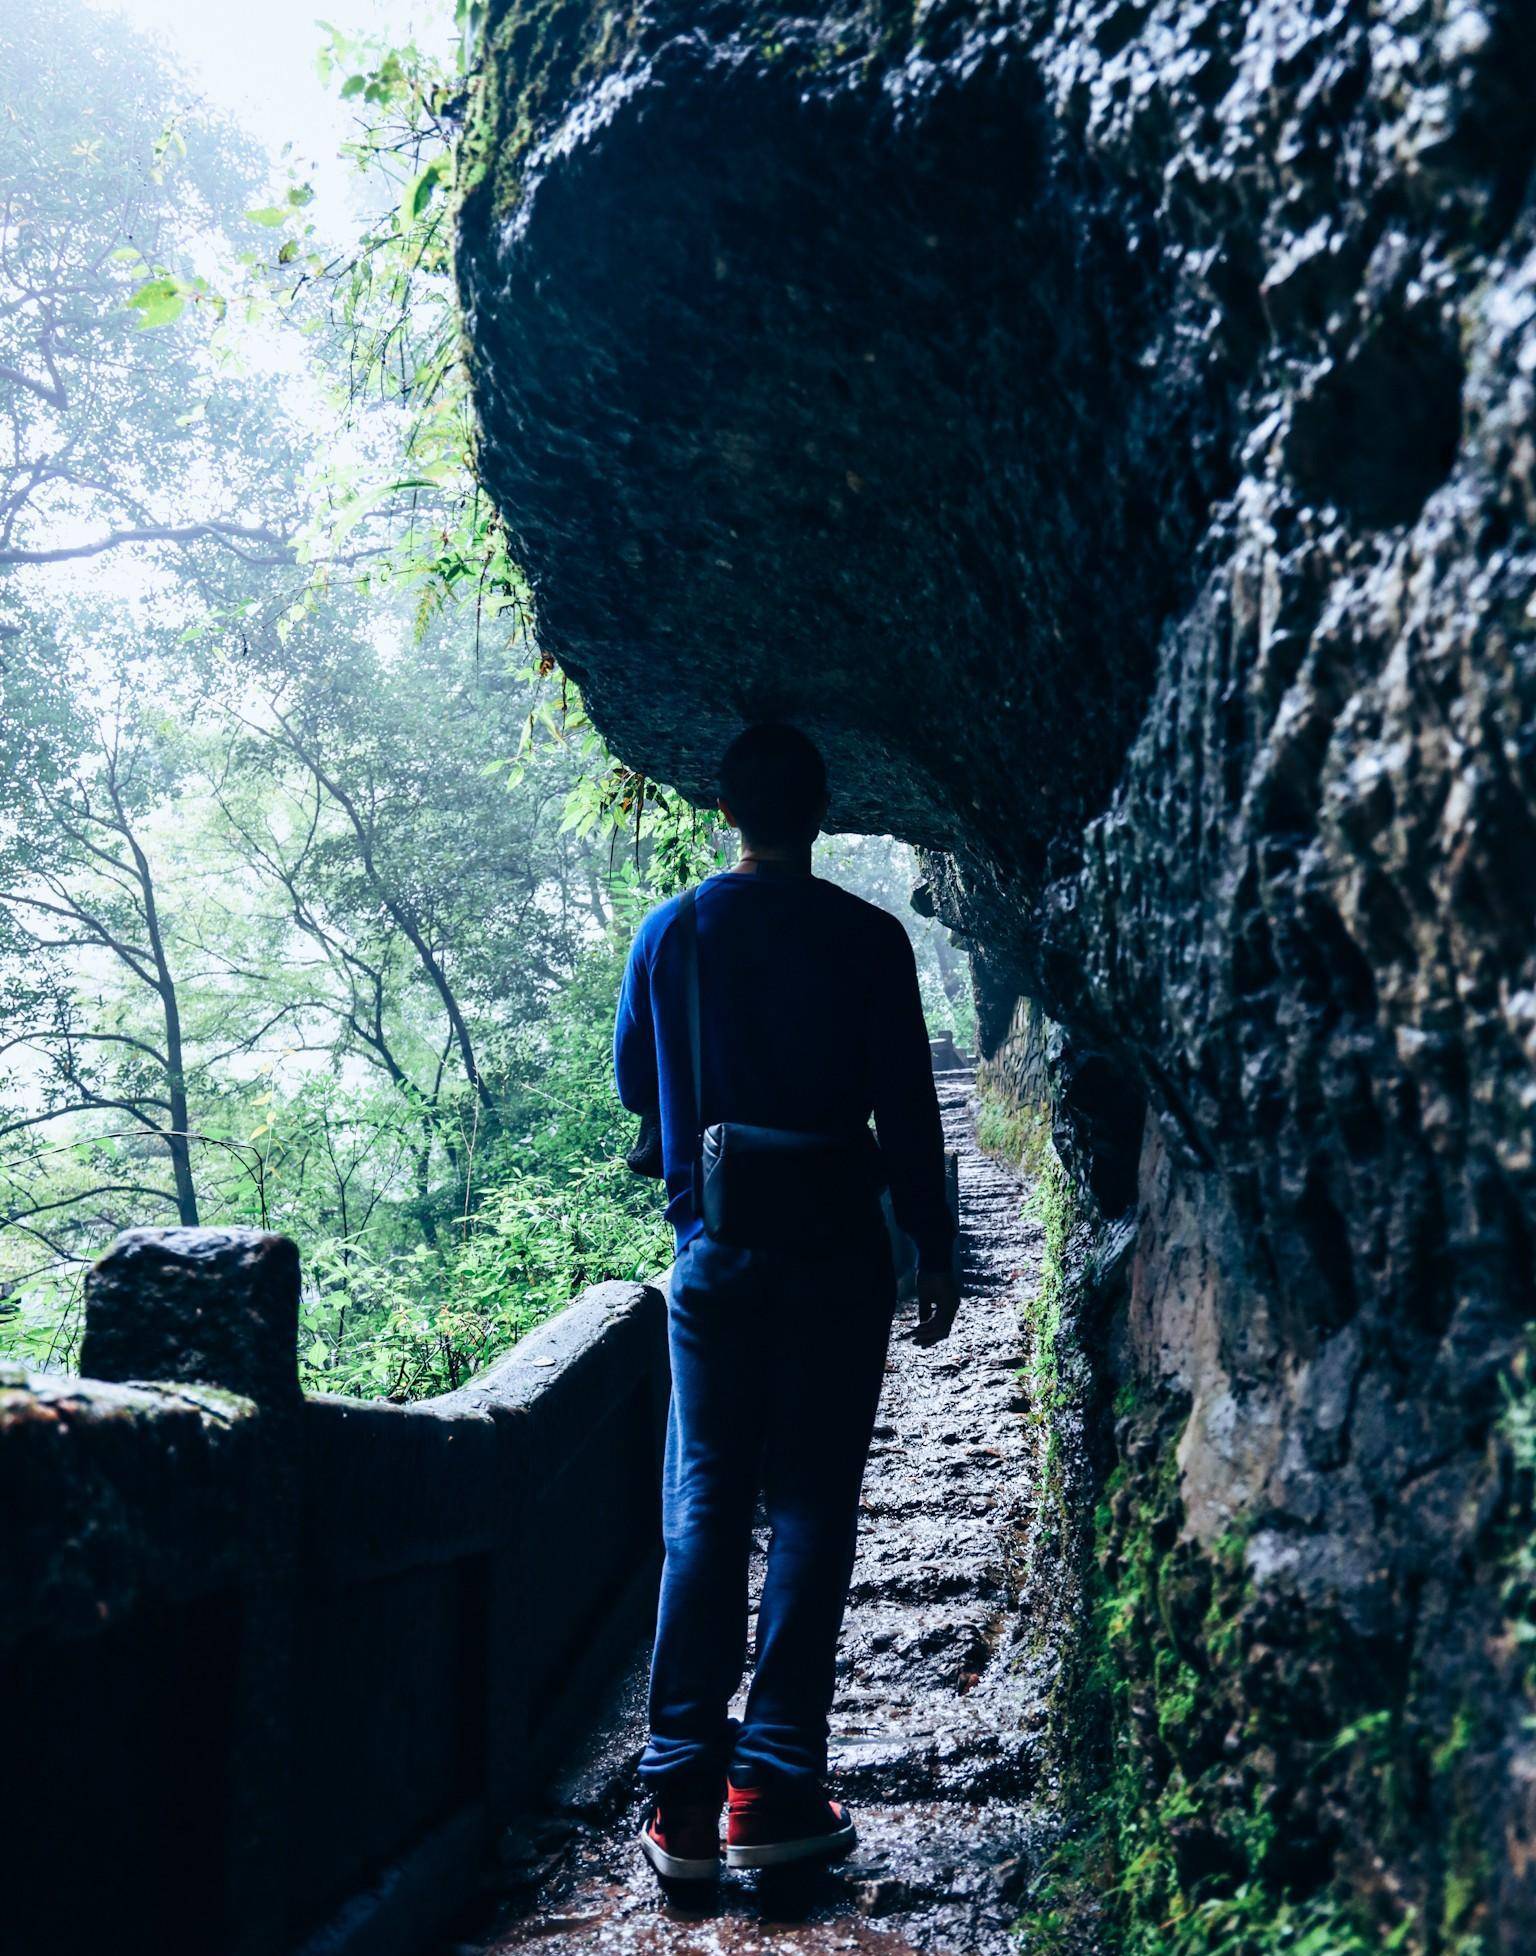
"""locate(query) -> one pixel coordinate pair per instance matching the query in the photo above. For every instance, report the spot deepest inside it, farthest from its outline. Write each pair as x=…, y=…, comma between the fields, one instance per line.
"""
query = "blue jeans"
x=777, y=1363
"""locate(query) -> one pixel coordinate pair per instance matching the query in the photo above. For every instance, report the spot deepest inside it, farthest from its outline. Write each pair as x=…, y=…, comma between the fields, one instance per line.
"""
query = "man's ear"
x=730, y=820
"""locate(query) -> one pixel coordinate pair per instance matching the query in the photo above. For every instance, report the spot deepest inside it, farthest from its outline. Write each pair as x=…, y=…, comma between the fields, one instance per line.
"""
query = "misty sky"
x=257, y=62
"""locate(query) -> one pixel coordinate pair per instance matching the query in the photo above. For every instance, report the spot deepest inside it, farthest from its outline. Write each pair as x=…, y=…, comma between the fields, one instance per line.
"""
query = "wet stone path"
x=945, y=1659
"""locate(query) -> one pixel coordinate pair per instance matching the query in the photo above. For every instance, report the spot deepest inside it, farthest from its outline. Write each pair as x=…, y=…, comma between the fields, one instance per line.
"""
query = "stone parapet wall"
x=278, y=1670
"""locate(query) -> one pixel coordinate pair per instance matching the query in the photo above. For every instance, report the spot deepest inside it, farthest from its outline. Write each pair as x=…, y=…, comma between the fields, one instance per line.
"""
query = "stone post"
x=219, y=1308
x=214, y=1307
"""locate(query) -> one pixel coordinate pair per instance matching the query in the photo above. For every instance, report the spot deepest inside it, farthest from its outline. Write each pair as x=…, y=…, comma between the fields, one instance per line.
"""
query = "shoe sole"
x=677, y=1867
x=811, y=1847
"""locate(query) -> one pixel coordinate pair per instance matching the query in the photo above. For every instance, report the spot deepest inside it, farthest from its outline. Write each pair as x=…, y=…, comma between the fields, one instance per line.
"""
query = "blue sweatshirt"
x=809, y=1017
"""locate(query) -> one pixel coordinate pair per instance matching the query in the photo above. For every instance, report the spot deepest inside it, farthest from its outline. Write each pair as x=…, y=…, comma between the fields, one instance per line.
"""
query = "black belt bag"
x=772, y=1187
x=762, y=1187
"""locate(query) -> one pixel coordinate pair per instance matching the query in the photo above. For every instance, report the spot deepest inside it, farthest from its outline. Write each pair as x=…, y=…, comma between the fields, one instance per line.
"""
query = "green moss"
x=1021, y=1135
x=538, y=58
x=1453, y=1745
x=1013, y=1131
x=1251, y=1921
x=1051, y=1200
x=1517, y=1556
x=1186, y=1780
x=215, y=1401
x=1182, y=1850
x=1178, y=1696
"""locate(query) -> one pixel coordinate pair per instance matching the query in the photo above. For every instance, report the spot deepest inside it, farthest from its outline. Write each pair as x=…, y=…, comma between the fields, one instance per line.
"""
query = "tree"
x=314, y=877
x=885, y=872
x=105, y=1006
x=105, y=422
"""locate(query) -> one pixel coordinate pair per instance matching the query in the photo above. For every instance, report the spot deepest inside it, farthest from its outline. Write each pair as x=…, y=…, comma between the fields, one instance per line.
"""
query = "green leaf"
x=289, y=252
x=318, y=1353
x=159, y=301
x=422, y=188
x=271, y=215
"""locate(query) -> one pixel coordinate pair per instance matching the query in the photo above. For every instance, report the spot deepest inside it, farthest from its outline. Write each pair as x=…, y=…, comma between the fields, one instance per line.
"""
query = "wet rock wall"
x=1107, y=428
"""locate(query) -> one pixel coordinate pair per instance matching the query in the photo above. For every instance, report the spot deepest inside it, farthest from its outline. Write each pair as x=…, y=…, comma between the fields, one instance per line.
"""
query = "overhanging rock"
x=1108, y=429
x=817, y=384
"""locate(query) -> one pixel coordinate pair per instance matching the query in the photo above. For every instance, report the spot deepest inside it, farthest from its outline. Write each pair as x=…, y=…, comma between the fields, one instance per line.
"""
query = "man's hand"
x=938, y=1299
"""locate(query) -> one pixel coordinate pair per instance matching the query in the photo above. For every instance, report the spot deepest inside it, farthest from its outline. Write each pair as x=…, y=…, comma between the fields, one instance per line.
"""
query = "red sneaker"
x=681, y=1840
x=769, y=1826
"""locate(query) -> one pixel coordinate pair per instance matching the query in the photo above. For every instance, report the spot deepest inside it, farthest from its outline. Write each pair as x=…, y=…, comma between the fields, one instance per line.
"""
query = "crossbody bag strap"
x=688, y=921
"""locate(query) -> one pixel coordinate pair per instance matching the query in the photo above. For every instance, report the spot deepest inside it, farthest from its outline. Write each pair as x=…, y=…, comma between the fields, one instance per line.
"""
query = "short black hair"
x=774, y=782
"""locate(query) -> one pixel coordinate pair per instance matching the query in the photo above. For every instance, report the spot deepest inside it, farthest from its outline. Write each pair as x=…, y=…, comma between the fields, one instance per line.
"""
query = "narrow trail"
x=946, y=1659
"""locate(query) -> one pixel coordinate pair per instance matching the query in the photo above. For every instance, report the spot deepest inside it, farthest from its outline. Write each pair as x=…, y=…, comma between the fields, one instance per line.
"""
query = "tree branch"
x=229, y=534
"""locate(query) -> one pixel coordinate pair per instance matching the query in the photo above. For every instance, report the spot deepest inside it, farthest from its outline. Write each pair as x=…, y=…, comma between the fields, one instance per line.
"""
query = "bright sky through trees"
x=315, y=882
x=256, y=64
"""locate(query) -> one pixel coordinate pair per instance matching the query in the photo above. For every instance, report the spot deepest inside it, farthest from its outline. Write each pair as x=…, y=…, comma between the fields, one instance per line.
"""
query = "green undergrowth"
x=1014, y=1132
x=1179, y=1838
x=1047, y=1382
x=1021, y=1135
x=1210, y=1756
x=1517, y=1596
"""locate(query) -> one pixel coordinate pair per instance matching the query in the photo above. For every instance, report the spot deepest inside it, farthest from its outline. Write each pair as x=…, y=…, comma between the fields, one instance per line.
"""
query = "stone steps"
x=936, y=1731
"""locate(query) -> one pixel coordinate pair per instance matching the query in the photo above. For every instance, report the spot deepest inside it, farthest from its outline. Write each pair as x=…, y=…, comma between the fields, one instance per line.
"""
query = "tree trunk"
x=178, y=1137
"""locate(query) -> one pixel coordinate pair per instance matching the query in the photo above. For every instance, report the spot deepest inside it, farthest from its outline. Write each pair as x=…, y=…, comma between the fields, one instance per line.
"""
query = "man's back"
x=810, y=1019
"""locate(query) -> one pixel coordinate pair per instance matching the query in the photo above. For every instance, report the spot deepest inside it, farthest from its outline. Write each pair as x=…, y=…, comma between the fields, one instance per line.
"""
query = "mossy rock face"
x=1267, y=1777
x=1106, y=428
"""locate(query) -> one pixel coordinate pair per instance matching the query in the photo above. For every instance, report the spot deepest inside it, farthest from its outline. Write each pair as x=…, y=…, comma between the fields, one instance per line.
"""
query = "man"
x=808, y=1021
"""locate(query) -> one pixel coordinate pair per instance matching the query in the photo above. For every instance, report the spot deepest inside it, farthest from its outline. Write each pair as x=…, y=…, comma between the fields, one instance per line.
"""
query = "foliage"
x=1518, y=1429
x=266, y=903
x=1151, y=1683
x=106, y=422
x=1014, y=1131
x=560, y=1211
x=1051, y=1203
x=1020, y=1134
x=388, y=300
x=315, y=877
x=1173, y=1852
